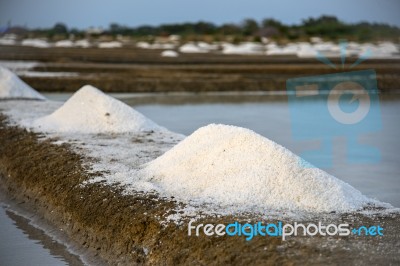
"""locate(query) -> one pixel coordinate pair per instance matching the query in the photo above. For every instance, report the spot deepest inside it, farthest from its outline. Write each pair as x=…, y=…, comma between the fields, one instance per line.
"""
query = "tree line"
x=327, y=27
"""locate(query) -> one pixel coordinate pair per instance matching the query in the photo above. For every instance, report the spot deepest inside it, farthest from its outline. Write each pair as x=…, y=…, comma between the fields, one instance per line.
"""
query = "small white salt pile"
x=192, y=48
x=64, y=43
x=38, y=43
x=91, y=111
x=235, y=167
x=110, y=45
x=169, y=53
x=82, y=43
x=247, y=48
x=13, y=87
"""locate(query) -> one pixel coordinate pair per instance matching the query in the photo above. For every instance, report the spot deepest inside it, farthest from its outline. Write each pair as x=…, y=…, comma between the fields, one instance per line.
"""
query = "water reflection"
x=23, y=244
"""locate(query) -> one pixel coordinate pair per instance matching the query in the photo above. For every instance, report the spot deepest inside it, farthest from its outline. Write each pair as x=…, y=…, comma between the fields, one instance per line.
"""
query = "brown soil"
x=140, y=70
x=114, y=229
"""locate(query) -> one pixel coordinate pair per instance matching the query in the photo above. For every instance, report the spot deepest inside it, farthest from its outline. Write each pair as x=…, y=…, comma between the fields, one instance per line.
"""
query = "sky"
x=85, y=13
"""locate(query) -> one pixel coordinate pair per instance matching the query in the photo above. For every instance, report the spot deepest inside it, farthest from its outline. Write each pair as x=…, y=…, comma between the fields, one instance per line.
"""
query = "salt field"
x=243, y=141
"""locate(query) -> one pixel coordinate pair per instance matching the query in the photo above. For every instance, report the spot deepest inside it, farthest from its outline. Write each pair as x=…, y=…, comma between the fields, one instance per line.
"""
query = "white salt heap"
x=113, y=44
x=38, y=43
x=91, y=111
x=192, y=48
x=232, y=166
x=13, y=87
x=169, y=53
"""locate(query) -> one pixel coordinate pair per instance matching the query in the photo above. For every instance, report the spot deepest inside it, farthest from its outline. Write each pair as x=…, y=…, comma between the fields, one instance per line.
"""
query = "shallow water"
x=23, y=244
x=268, y=115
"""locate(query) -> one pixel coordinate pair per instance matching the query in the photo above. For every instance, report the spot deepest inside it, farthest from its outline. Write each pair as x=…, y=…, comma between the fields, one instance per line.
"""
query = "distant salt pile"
x=38, y=43
x=169, y=53
x=143, y=45
x=8, y=40
x=64, y=43
x=82, y=43
x=247, y=48
x=13, y=87
x=290, y=49
x=110, y=45
x=192, y=48
x=207, y=46
x=232, y=166
x=91, y=111
x=156, y=45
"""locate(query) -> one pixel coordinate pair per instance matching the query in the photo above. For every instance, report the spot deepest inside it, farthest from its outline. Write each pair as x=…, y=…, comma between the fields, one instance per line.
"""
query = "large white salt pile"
x=13, y=87
x=91, y=111
x=232, y=166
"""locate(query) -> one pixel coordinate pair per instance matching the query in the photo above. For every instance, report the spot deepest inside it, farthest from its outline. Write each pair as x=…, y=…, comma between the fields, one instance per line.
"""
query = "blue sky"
x=85, y=13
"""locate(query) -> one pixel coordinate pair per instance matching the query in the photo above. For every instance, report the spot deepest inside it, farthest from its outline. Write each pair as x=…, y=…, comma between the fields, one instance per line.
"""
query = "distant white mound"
x=290, y=49
x=192, y=48
x=169, y=53
x=11, y=86
x=7, y=41
x=307, y=51
x=91, y=111
x=82, y=43
x=64, y=43
x=235, y=167
x=246, y=48
x=110, y=45
x=38, y=43
x=143, y=45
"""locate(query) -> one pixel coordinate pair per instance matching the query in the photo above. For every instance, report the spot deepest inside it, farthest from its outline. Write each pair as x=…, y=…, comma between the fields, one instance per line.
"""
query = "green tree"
x=229, y=29
x=250, y=27
x=60, y=28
